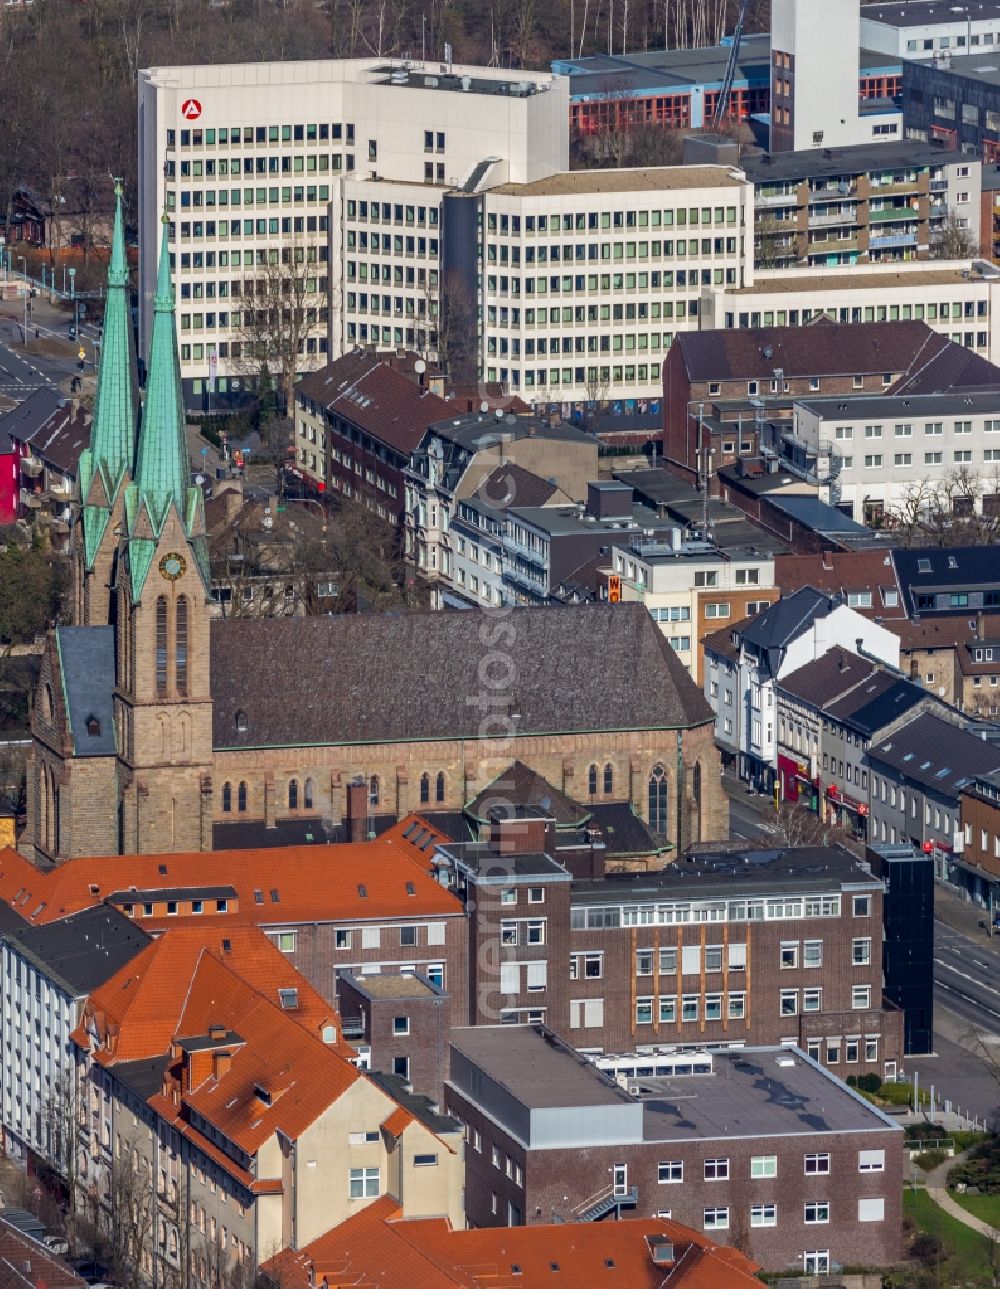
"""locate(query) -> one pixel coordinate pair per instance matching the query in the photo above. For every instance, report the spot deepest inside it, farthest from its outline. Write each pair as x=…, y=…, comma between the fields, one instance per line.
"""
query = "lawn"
x=985, y=1207
x=968, y=1251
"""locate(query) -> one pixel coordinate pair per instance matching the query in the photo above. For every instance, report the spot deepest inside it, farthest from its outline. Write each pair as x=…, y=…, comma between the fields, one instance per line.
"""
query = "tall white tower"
x=814, y=74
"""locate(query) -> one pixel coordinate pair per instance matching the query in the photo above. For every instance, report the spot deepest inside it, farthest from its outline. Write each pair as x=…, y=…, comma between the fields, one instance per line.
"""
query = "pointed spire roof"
x=162, y=469
x=116, y=405
x=161, y=481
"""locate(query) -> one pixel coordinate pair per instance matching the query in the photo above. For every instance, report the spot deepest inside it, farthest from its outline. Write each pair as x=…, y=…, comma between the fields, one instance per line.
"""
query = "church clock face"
x=172, y=566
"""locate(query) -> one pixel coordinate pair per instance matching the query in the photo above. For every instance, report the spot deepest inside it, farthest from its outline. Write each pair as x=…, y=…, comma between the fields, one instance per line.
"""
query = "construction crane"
x=722, y=102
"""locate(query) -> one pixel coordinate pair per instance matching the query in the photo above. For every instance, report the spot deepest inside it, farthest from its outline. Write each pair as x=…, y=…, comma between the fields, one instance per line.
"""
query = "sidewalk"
x=937, y=1189
x=966, y=918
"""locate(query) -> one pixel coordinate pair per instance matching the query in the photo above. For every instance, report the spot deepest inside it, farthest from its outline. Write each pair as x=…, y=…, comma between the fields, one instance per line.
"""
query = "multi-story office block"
x=588, y=276
x=252, y=163
x=922, y=30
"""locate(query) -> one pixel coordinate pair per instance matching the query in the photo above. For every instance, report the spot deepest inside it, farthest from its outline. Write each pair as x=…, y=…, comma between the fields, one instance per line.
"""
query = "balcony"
x=891, y=214
x=828, y=218
x=31, y=500
x=893, y=239
x=902, y=185
x=32, y=467
x=939, y=185
x=352, y=1027
x=775, y=199
x=833, y=191
x=824, y=246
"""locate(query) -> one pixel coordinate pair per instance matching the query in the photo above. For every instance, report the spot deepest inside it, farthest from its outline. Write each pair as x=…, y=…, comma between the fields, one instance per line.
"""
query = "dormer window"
x=93, y=726
x=241, y=722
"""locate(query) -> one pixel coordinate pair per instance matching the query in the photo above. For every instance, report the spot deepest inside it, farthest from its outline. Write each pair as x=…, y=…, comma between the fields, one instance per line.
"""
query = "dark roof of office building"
x=82, y=951
x=826, y=678
x=672, y=70
x=681, y=502
x=929, y=569
x=485, y=862
x=864, y=158
x=937, y=754
x=822, y=518
x=903, y=407
x=876, y=703
x=87, y=664
x=318, y=830
x=715, y=870
x=622, y=830
x=822, y=349
x=477, y=431
x=419, y=1106
x=756, y=1092
x=535, y=1067
x=785, y=620
x=409, y=677
x=143, y=1078
x=364, y=390
x=524, y=789
x=928, y=13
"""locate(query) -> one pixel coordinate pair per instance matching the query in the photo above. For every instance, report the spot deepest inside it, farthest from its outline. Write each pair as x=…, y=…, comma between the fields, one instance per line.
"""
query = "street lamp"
x=308, y=501
x=24, y=275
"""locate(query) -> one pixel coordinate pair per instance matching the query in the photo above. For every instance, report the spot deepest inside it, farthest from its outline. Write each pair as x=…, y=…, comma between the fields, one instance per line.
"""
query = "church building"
x=157, y=727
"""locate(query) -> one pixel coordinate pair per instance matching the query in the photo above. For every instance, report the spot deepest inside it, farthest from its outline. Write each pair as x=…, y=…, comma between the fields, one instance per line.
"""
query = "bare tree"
x=794, y=825
x=962, y=508
x=283, y=304
x=455, y=338
x=952, y=241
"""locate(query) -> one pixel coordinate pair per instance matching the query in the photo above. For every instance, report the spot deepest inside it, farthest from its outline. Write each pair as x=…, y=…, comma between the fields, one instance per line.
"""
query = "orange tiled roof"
x=280, y=1078
x=312, y=883
x=376, y=1247
x=138, y=1010
x=397, y=1122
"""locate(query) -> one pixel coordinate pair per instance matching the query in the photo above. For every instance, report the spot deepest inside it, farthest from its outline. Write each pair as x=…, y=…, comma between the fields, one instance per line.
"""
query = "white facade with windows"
x=887, y=455
x=670, y=580
x=38, y=1069
x=587, y=276
x=923, y=30
x=254, y=161
x=955, y=298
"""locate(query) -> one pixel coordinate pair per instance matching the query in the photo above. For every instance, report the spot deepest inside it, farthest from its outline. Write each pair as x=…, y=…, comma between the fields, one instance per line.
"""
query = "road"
x=48, y=359
x=965, y=1067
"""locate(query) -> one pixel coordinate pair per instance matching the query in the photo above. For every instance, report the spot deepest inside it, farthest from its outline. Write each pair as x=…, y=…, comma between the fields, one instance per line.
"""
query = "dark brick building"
x=725, y=949
x=715, y=382
x=357, y=423
x=763, y=1148
x=400, y=1025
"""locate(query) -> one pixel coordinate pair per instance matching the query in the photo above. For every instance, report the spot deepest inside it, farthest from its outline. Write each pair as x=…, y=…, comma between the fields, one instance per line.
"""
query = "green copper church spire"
x=161, y=483
x=116, y=406
x=162, y=469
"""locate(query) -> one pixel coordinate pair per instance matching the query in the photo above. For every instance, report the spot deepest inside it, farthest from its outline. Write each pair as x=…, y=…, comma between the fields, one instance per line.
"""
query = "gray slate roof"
x=416, y=676
x=936, y=754
x=824, y=679
x=784, y=621
x=83, y=951
x=87, y=661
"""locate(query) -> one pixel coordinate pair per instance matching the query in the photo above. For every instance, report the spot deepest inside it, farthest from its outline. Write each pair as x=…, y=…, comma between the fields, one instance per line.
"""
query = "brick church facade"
x=157, y=728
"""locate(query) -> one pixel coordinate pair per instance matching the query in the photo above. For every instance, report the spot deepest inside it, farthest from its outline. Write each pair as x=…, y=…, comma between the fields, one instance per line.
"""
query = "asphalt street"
x=965, y=1065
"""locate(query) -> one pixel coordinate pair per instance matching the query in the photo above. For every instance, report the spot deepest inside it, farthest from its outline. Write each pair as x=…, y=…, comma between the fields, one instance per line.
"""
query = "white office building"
x=254, y=159
x=46, y=974
x=891, y=454
x=920, y=30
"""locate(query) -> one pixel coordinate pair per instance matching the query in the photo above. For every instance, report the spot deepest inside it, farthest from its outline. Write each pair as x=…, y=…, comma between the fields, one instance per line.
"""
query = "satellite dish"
x=420, y=366
x=199, y=480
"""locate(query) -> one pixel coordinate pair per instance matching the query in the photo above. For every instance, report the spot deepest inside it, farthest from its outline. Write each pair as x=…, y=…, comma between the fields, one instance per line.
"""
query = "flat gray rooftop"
x=930, y=13
x=767, y=1091
x=535, y=1067
x=816, y=163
